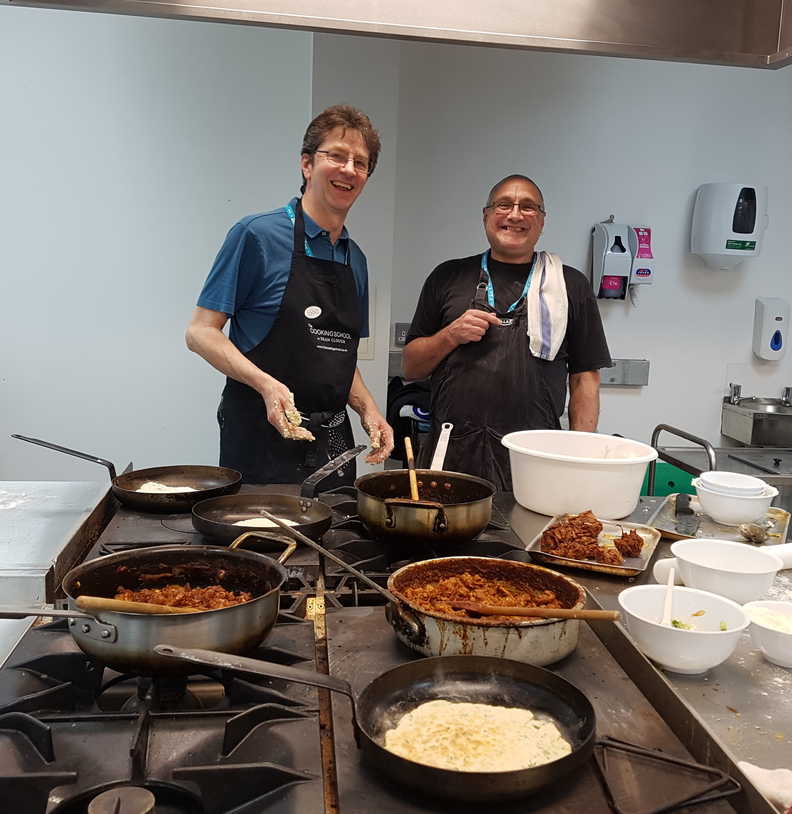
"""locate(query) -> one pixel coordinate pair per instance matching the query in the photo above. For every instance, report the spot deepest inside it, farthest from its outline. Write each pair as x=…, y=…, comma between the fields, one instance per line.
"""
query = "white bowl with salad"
x=703, y=633
x=771, y=629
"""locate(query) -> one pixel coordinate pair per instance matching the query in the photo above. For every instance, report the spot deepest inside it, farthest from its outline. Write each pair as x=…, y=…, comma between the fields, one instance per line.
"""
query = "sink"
x=765, y=405
x=758, y=422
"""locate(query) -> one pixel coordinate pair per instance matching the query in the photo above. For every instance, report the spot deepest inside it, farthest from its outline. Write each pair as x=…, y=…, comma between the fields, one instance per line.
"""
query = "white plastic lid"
x=733, y=483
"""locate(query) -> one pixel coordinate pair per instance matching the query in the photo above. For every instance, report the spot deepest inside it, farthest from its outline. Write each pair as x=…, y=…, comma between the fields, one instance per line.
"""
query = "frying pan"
x=216, y=517
x=208, y=481
x=473, y=679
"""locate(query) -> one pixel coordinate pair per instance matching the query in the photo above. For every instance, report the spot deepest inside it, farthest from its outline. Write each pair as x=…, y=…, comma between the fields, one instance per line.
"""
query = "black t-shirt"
x=449, y=290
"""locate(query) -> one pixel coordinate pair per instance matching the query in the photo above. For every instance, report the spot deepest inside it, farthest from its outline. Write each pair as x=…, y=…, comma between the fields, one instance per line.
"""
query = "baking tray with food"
x=588, y=543
x=665, y=520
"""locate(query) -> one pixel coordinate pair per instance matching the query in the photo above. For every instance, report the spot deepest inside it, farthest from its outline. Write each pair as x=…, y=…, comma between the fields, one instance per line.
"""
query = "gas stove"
x=76, y=737
x=72, y=730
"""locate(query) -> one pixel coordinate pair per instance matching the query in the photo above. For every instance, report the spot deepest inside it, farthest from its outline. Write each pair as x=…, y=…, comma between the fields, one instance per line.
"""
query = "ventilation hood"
x=747, y=33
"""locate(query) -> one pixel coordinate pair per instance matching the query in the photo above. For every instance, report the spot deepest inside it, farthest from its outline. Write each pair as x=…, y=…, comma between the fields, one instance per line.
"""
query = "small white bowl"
x=689, y=652
x=734, y=509
x=737, y=571
x=732, y=483
x=776, y=645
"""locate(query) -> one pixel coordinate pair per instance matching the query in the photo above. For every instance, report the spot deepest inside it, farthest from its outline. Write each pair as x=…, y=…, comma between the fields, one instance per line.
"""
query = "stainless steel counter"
x=44, y=527
x=744, y=702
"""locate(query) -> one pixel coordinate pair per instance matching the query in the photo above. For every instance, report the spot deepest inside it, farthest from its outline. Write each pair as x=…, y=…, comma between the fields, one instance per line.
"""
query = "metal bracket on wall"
x=626, y=373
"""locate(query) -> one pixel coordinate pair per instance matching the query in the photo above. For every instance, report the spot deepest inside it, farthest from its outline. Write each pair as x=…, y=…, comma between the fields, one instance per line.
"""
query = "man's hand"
x=281, y=412
x=380, y=434
x=471, y=326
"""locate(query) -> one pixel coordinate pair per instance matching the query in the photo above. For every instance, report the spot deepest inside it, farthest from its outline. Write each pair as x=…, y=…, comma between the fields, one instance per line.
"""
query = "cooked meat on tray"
x=630, y=543
x=210, y=597
x=439, y=596
x=576, y=537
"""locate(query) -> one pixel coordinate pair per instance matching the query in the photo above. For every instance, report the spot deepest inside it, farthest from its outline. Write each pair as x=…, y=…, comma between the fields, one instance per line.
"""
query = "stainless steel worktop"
x=743, y=702
x=39, y=522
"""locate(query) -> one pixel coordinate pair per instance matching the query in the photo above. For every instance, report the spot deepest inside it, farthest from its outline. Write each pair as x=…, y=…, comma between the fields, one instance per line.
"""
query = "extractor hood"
x=748, y=33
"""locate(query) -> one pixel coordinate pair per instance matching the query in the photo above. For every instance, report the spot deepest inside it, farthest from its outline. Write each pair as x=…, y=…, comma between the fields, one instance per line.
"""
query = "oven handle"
x=708, y=448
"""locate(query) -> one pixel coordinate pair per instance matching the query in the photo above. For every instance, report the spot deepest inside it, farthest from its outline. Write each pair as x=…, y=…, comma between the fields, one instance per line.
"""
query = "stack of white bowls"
x=732, y=498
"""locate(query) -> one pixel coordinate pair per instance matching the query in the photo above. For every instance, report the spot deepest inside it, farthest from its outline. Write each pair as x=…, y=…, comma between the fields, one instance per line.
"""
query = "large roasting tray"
x=664, y=520
x=632, y=565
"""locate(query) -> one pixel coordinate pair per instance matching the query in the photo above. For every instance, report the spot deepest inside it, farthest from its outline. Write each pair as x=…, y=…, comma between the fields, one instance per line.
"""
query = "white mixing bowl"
x=776, y=645
x=732, y=483
x=737, y=571
x=733, y=509
x=560, y=471
x=683, y=651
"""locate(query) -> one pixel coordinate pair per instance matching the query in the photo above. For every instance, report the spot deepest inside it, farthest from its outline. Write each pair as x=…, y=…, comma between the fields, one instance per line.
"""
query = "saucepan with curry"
x=225, y=599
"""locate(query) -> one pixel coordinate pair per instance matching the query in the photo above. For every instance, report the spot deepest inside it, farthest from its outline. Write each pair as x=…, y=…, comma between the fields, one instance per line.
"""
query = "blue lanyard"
x=491, y=290
x=292, y=218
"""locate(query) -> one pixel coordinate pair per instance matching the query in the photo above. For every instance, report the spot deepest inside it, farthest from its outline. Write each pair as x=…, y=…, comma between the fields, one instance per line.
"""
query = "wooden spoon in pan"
x=91, y=604
x=411, y=467
x=546, y=613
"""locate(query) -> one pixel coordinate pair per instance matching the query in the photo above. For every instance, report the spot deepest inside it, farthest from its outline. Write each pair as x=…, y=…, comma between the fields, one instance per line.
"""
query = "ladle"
x=438, y=459
x=544, y=613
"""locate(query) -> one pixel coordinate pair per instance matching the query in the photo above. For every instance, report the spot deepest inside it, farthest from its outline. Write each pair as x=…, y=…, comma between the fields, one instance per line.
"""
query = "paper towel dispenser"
x=728, y=223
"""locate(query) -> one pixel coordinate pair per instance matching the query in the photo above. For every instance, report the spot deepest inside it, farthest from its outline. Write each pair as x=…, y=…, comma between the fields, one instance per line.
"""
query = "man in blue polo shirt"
x=295, y=287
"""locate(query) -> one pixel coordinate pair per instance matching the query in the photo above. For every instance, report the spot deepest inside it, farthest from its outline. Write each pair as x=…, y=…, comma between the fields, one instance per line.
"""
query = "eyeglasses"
x=339, y=159
x=526, y=207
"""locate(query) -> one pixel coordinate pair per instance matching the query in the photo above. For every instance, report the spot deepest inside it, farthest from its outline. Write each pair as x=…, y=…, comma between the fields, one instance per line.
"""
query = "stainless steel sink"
x=758, y=421
x=765, y=406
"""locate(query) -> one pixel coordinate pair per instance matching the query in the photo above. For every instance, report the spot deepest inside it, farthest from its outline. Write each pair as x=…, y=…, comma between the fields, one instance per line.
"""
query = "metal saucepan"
x=534, y=641
x=126, y=641
x=472, y=679
x=453, y=507
x=207, y=481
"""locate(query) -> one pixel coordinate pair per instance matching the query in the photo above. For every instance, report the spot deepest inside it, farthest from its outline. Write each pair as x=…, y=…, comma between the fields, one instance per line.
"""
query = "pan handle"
x=84, y=455
x=270, y=669
x=291, y=545
x=309, y=485
x=440, y=524
x=11, y=611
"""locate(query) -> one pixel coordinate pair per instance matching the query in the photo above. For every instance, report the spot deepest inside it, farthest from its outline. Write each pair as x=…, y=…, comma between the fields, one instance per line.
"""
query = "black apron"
x=487, y=389
x=312, y=349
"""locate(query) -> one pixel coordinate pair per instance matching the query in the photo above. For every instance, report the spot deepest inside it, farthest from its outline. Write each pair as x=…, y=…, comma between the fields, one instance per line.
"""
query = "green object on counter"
x=669, y=480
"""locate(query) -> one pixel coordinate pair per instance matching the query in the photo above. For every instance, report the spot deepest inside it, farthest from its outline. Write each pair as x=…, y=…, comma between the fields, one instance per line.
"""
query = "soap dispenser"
x=611, y=260
x=771, y=317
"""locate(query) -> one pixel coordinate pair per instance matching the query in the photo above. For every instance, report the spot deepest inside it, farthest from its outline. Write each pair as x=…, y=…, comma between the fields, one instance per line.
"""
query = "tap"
x=734, y=393
x=786, y=396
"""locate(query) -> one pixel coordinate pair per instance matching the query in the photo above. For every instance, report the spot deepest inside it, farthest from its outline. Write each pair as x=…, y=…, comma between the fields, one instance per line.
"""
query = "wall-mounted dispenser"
x=611, y=260
x=728, y=223
x=771, y=317
x=621, y=258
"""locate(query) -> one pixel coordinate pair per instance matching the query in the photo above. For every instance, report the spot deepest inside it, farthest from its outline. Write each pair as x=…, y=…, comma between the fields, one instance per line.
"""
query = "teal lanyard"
x=491, y=290
x=293, y=219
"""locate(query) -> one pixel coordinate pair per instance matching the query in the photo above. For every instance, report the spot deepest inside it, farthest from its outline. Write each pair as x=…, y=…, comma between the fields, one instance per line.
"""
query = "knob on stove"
x=123, y=800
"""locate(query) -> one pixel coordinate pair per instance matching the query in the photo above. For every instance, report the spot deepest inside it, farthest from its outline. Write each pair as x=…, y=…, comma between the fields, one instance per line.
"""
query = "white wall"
x=364, y=72
x=128, y=148
x=600, y=136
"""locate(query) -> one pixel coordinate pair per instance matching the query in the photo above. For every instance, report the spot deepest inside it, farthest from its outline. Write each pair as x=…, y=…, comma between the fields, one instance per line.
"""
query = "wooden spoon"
x=546, y=613
x=411, y=467
x=103, y=603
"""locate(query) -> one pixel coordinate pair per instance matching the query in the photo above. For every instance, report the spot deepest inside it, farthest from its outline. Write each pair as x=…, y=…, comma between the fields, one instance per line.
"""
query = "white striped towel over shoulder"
x=547, y=305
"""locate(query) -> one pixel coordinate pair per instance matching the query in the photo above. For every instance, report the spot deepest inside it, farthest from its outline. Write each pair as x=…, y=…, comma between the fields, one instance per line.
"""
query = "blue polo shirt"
x=248, y=279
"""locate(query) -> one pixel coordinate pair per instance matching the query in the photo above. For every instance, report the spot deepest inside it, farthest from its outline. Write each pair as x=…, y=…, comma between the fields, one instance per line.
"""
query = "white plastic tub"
x=560, y=471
